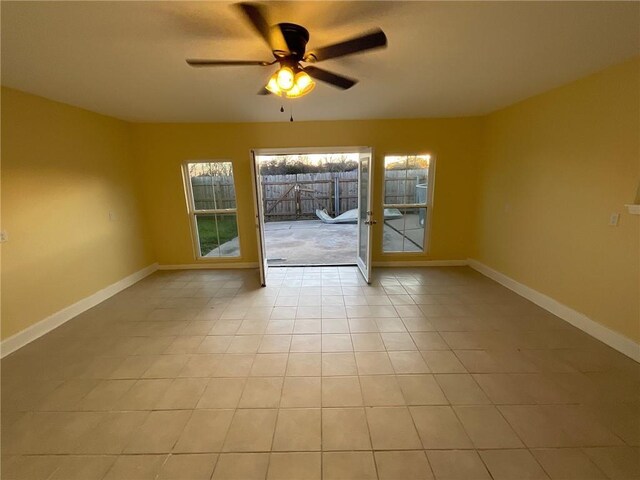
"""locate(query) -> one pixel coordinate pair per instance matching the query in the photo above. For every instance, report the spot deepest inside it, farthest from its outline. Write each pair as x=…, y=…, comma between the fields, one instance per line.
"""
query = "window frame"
x=193, y=213
x=428, y=205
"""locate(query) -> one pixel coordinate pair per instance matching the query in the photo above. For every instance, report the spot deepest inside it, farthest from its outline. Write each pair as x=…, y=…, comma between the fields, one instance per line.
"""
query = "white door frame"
x=309, y=150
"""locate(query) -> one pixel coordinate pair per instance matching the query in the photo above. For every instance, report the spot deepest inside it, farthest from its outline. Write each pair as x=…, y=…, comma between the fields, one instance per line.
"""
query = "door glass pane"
x=218, y=235
x=404, y=230
x=212, y=185
x=262, y=254
x=363, y=204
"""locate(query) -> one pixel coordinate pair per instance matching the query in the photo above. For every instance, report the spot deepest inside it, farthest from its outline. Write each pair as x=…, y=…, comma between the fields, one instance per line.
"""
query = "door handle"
x=369, y=220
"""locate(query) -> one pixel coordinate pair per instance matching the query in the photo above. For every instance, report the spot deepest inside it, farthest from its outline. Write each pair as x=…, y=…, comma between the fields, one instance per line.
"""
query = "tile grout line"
x=275, y=425
x=366, y=419
x=321, y=412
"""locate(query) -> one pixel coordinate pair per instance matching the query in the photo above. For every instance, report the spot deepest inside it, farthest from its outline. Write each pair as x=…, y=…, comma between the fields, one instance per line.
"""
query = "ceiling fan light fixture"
x=285, y=78
x=303, y=84
x=303, y=80
x=272, y=85
x=300, y=85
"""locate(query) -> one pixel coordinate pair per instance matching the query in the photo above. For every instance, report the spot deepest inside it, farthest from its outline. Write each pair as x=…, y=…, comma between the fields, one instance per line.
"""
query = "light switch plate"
x=4, y=236
x=613, y=219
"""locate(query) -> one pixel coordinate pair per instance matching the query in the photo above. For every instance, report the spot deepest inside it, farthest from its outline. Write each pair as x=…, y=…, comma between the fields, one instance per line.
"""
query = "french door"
x=257, y=196
x=365, y=213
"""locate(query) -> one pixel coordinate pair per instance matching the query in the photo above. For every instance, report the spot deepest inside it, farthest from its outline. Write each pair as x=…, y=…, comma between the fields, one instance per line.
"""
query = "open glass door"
x=365, y=213
x=257, y=195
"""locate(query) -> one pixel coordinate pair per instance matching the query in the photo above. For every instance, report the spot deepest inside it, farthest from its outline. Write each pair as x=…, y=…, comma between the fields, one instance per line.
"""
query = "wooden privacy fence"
x=405, y=186
x=297, y=196
x=213, y=192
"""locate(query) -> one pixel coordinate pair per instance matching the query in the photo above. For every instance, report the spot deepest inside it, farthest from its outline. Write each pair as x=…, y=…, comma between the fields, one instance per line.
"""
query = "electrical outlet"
x=4, y=236
x=613, y=219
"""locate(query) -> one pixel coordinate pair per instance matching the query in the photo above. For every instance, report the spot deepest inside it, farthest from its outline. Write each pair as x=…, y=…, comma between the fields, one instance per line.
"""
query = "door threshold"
x=300, y=265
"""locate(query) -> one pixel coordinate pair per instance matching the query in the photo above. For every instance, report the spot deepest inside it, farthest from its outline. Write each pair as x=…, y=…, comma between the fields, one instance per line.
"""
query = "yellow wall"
x=527, y=190
x=63, y=170
x=555, y=167
x=162, y=148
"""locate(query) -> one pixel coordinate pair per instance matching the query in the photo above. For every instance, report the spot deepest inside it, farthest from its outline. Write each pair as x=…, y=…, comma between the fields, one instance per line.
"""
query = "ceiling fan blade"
x=196, y=62
x=264, y=91
x=330, y=78
x=272, y=35
x=375, y=39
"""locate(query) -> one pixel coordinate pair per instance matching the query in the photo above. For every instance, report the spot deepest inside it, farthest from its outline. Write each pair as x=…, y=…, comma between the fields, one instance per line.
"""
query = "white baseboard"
x=579, y=320
x=208, y=266
x=421, y=263
x=36, y=330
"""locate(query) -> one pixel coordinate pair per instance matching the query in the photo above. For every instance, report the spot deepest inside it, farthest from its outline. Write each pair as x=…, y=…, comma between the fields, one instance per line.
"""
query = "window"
x=408, y=185
x=211, y=200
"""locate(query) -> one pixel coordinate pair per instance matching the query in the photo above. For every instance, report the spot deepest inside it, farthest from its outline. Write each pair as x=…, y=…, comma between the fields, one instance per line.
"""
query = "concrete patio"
x=307, y=242
x=312, y=242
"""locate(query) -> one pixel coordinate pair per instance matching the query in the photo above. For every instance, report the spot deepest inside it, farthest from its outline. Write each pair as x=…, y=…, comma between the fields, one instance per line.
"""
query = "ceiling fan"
x=288, y=43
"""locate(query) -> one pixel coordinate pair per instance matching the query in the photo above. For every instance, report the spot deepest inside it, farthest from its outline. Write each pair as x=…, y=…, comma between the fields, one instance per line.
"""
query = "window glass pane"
x=212, y=185
x=218, y=235
x=405, y=179
x=405, y=233
x=418, y=171
x=406, y=183
x=395, y=174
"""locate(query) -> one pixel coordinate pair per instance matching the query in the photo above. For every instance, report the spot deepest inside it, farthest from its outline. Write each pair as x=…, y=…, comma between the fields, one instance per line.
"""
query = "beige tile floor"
x=427, y=373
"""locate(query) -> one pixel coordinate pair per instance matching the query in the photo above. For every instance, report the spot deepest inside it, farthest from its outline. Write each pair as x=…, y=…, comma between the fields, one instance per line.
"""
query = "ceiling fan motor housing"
x=296, y=37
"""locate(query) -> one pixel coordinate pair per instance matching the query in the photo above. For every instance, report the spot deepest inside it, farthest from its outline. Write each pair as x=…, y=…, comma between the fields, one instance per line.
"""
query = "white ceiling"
x=444, y=59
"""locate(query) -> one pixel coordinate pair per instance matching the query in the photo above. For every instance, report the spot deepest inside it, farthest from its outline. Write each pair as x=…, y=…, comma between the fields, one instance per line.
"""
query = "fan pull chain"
x=290, y=111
